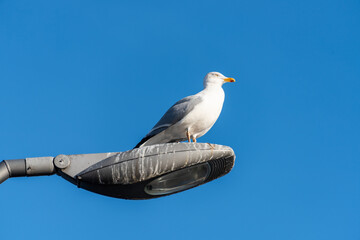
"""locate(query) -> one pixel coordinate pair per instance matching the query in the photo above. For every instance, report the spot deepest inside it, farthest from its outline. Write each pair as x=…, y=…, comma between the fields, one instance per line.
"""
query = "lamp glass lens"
x=179, y=180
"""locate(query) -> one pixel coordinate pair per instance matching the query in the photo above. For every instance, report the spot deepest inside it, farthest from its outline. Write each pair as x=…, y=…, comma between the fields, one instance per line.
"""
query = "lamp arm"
x=26, y=167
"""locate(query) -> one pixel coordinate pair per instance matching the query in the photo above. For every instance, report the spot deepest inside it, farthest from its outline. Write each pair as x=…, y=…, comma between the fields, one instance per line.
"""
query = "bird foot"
x=211, y=146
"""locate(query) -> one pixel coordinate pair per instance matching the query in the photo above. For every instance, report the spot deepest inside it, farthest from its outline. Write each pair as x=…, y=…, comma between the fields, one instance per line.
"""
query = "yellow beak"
x=229, y=80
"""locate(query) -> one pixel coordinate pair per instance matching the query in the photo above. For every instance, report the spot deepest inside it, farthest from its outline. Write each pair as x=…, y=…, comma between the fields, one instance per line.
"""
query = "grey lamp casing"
x=125, y=174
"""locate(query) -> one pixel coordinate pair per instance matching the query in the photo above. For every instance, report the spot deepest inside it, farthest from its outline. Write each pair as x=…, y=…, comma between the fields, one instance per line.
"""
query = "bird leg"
x=194, y=139
x=211, y=146
x=188, y=135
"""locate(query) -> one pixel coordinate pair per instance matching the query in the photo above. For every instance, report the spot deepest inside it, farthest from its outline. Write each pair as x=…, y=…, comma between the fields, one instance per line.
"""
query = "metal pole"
x=26, y=167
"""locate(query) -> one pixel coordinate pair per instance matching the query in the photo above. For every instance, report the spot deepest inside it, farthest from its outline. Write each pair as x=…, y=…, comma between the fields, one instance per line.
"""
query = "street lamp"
x=141, y=173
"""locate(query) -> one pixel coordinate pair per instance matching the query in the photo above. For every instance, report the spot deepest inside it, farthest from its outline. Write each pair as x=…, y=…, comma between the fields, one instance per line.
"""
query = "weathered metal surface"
x=144, y=163
x=26, y=167
x=125, y=174
x=80, y=162
x=39, y=166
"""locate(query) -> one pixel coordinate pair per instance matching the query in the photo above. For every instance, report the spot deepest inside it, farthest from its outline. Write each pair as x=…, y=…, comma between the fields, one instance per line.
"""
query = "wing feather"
x=175, y=113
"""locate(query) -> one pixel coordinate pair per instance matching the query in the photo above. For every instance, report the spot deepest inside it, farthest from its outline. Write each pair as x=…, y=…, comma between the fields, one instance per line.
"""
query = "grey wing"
x=177, y=112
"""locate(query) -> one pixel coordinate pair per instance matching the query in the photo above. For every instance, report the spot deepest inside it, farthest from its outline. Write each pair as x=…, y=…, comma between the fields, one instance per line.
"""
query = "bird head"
x=216, y=78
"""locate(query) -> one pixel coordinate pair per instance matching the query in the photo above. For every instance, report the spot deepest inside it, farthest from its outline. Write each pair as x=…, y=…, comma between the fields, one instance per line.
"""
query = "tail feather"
x=142, y=141
x=153, y=139
x=159, y=137
x=147, y=142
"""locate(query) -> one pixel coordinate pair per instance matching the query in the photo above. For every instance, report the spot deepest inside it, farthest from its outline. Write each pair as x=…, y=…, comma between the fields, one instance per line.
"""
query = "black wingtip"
x=141, y=142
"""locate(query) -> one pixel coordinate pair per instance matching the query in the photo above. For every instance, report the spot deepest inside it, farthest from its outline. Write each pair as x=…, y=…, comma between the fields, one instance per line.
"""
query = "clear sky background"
x=95, y=76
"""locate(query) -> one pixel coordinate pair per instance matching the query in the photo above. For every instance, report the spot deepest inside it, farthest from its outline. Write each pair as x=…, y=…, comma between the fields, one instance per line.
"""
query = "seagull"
x=191, y=117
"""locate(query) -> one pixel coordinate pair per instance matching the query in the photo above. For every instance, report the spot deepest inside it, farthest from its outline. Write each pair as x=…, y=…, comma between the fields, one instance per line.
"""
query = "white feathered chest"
x=205, y=114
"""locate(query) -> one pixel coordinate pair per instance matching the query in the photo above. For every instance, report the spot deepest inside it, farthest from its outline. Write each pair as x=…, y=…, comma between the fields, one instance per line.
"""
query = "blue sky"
x=95, y=76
